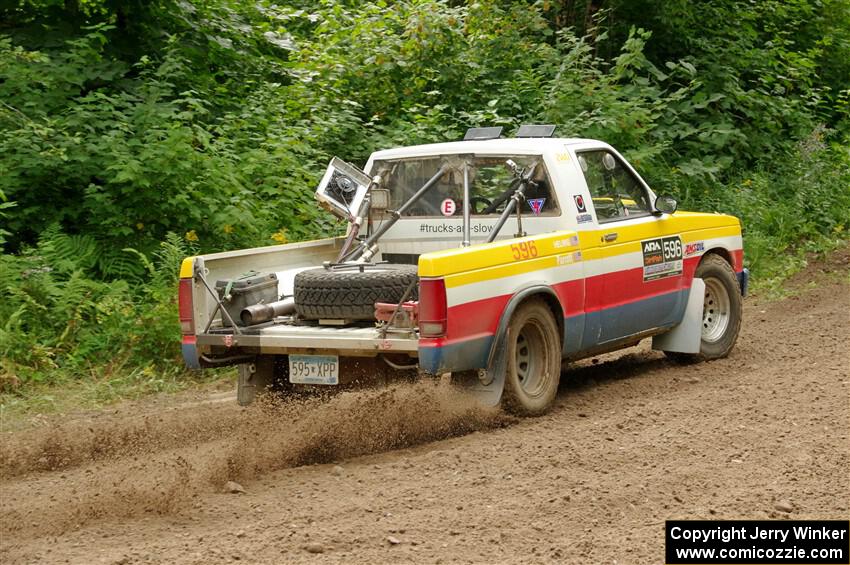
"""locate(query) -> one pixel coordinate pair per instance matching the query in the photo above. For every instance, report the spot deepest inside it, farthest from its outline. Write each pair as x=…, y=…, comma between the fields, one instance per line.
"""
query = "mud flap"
x=686, y=337
x=491, y=393
x=190, y=352
x=254, y=378
x=246, y=390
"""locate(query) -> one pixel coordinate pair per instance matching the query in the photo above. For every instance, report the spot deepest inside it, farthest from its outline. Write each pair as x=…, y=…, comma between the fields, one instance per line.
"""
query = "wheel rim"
x=531, y=359
x=715, y=310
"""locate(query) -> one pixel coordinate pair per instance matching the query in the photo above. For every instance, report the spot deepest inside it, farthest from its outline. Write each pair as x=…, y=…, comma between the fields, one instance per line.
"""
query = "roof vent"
x=479, y=134
x=531, y=130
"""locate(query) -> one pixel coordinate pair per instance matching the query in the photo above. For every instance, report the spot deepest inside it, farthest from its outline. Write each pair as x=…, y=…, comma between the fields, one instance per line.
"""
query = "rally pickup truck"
x=488, y=262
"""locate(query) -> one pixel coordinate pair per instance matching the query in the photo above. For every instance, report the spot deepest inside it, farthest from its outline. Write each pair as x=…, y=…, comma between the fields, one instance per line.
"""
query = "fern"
x=146, y=263
x=66, y=254
x=168, y=257
x=119, y=264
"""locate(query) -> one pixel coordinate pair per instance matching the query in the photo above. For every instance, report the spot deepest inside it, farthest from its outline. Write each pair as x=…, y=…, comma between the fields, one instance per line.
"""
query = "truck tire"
x=533, y=360
x=722, y=311
x=351, y=293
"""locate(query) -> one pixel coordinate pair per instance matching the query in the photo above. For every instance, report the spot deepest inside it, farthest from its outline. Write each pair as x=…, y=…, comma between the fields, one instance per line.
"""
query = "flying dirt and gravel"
x=416, y=473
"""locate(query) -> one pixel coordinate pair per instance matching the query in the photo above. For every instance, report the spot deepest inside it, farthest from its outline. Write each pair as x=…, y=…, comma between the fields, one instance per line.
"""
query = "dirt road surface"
x=414, y=473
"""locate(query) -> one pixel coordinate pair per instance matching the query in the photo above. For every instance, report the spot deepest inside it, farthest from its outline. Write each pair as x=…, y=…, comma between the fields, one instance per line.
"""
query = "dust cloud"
x=122, y=468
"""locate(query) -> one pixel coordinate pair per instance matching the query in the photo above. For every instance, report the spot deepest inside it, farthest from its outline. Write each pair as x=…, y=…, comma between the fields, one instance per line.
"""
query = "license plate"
x=314, y=369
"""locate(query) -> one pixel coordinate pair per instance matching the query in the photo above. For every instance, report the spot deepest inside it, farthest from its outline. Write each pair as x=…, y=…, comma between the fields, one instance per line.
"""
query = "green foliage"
x=123, y=123
x=4, y=206
x=61, y=318
x=134, y=119
x=797, y=202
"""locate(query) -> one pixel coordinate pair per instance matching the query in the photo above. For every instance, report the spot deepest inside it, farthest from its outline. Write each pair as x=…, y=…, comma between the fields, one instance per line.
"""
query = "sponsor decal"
x=580, y=205
x=569, y=258
x=448, y=207
x=536, y=205
x=572, y=241
x=662, y=257
x=228, y=341
x=562, y=157
x=694, y=248
x=584, y=218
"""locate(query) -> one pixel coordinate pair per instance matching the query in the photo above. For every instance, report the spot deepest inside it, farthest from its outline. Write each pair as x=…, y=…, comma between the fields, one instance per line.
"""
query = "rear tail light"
x=432, y=308
x=187, y=320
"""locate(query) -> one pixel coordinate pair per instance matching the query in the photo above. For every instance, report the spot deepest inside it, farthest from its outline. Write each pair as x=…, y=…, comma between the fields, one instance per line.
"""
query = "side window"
x=615, y=191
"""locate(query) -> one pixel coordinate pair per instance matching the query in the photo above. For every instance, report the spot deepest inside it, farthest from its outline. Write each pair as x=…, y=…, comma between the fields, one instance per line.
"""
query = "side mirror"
x=666, y=204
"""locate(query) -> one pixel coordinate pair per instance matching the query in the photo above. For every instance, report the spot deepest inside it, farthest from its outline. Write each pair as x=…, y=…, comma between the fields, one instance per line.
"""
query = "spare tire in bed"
x=350, y=292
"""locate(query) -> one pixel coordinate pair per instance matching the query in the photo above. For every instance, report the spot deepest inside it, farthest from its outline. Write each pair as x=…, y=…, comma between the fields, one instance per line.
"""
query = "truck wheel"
x=721, y=313
x=351, y=293
x=533, y=360
x=268, y=373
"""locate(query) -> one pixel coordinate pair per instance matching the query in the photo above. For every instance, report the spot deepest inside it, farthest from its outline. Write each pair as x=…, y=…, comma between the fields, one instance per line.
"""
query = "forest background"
x=136, y=132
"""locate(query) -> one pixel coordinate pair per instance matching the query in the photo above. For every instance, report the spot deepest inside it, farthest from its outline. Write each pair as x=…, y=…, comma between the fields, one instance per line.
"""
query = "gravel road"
x=416, y=473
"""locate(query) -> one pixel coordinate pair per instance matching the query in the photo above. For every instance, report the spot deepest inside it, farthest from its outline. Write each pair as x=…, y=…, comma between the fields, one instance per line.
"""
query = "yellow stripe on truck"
x=712, y=233
x=461, y=266
x=501, y=271
x=593, y=247
x=187, y=268
x=502, y=252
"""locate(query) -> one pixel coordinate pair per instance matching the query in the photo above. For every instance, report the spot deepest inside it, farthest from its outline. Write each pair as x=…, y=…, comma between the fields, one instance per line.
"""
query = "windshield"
x=491, y=183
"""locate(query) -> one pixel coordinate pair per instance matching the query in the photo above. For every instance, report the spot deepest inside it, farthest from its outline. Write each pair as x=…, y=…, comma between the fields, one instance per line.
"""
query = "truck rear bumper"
x=353, y=341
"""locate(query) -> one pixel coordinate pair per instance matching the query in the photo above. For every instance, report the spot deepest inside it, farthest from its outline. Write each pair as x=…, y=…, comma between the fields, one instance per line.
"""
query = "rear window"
x=491, y=184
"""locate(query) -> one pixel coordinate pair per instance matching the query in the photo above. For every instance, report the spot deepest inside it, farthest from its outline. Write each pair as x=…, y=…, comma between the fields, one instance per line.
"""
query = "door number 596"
x=524, y=250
